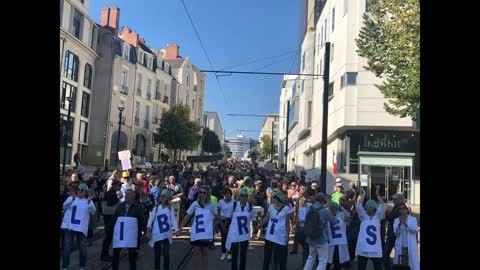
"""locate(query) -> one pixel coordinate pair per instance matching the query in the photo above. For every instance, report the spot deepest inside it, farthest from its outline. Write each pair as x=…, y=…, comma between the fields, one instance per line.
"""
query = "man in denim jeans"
x=319, y=247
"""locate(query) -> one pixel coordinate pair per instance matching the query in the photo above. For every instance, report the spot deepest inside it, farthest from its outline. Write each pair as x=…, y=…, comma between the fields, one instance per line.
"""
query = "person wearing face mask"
x=369, y=244
x=338, y=255
x=299, y=228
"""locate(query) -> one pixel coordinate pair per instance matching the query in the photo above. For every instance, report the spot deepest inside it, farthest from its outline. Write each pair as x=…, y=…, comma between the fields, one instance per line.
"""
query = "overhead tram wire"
x=259, y=73
x=204, y=50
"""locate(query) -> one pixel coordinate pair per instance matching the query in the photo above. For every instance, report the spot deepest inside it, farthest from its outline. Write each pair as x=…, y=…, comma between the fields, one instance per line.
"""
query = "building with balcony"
x=78, y=53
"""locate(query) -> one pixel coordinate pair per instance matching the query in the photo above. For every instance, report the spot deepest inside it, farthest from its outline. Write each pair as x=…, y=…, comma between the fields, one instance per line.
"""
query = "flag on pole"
x=334, y=162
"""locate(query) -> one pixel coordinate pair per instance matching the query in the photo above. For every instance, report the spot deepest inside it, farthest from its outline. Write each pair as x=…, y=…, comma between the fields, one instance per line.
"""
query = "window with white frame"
x=149, y=89
x=303, y=61
x=325, y=32
x=333, y=19
x=321, y=38
x=332, y=50
x=139, y=85
x=137, y=113
x=141, y=55
x=126, y=51
x=83, y=132
x=188, y=80
x=124, y=82
x=150, y=62
x=349, y=78
x=77, y=24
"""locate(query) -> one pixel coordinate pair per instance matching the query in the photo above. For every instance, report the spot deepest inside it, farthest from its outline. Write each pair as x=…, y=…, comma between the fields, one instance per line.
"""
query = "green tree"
x=176, y=131
x=253, y=153
x=390, y=40
x=210, y=142
x=266, y=150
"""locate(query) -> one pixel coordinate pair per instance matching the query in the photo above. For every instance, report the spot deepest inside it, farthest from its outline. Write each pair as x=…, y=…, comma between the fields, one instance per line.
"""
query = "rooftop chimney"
x=130, y=36
x=110, y=18
x=172, y=52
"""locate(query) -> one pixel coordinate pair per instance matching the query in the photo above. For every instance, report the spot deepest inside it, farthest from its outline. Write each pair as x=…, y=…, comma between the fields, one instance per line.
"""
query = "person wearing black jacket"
x=129, y=208
x=112, y=199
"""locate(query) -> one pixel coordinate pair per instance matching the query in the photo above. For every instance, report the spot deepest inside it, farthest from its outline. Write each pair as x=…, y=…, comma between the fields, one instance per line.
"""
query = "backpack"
x=313, y=226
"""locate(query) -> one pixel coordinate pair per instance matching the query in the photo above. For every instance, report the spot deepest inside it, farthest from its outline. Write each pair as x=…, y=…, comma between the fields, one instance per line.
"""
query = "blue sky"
x=233, y=33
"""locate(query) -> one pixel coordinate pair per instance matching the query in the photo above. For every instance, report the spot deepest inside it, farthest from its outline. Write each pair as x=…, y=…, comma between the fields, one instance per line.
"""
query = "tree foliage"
x=210, y=142
x=176, y=131
x=253, y=153
x=390, y=40
x=266, y=150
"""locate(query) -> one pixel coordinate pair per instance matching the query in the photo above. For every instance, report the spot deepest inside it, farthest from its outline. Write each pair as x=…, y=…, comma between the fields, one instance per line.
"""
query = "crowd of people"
x=239, y=201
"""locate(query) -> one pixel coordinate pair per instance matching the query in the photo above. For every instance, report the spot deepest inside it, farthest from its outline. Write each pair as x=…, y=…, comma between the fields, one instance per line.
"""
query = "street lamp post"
x=120, y=108
x=326, y=85
x=66, y=135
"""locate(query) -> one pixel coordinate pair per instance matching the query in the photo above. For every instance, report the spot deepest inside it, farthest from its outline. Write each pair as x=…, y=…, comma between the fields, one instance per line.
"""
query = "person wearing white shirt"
x=338, y=255
x=369, y=244
x=78, y=208
x=278, y=217
x=204, y=213
x=405, y=228
x=159, y=229
x=238, y=238
x=225, y=207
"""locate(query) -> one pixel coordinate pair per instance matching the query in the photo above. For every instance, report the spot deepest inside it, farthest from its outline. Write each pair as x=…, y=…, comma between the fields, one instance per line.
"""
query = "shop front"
x=387, y=158
x=391, y=172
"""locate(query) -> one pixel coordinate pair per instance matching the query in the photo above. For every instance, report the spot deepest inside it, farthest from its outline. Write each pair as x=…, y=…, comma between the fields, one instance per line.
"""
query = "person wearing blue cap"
x=369, y=244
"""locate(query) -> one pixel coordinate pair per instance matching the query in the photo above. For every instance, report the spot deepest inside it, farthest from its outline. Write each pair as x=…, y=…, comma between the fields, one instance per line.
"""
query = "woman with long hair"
x=204, y=213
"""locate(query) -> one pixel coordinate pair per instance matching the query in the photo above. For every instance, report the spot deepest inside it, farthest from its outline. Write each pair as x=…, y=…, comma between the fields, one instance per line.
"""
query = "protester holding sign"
x=226, y=207
x=278, y=230
x=128, y=223
x=369, y=244
x=78, y=208
x=204, y=214
x=239, y=233
x=338, y=255
x=406, y=228
x=159, y=229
